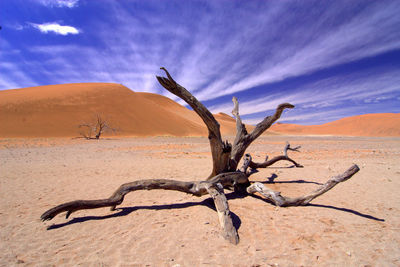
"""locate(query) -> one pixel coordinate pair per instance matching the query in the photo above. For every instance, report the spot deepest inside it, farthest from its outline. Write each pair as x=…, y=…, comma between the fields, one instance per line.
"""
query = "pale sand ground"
x=355, y=224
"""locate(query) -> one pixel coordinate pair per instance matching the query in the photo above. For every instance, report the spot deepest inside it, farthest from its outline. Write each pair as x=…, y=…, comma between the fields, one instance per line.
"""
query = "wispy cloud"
x=370, y=32
x=60, y=3
x=329, y=93
x=55, y=28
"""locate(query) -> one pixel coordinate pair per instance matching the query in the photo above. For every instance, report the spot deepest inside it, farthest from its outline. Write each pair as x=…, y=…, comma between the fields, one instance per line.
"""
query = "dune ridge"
x=379, y=124
x=57, y=110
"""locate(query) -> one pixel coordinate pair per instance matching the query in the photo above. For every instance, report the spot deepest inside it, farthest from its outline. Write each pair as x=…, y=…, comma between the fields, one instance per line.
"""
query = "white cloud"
x=60, y=3
x=56, y=28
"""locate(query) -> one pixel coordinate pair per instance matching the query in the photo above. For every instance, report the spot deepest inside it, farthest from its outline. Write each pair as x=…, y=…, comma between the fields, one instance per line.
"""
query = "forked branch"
x=267, y=163
x=244, y=139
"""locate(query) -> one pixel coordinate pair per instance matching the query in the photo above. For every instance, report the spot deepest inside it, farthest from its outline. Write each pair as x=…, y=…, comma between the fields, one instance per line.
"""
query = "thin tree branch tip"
x=285, y=105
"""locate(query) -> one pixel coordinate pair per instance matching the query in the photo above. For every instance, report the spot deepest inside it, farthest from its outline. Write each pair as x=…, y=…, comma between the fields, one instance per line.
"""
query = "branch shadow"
x=271, y=180
x=367, y=216
x=288, y=167
x=124, y=211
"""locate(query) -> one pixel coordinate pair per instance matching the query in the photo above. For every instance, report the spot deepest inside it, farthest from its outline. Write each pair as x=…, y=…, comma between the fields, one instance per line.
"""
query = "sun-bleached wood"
x=277, y=199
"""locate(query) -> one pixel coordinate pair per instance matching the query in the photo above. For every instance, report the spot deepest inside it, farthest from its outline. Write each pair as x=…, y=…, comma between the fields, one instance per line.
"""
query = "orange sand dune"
x=382, y=124
x=57, y=110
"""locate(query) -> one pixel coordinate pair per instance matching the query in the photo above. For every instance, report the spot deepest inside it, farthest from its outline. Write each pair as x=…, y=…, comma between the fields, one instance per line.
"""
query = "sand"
x=355, y=224
x=380, y=124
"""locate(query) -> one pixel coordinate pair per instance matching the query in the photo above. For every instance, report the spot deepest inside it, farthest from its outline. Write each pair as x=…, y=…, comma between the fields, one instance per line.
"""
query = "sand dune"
x=382, y=124
x=57, y=110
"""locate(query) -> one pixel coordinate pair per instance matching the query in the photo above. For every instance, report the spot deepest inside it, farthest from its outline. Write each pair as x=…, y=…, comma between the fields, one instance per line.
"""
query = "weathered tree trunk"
x=219, y=150
x=225, y=173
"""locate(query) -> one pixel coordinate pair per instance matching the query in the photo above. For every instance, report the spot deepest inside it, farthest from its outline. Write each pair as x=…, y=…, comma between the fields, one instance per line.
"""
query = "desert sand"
x=355, y=224
x=380, y=124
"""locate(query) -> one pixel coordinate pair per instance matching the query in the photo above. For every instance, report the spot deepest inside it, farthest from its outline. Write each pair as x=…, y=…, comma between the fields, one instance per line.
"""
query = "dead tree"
x=225, y=173
x=96, y=128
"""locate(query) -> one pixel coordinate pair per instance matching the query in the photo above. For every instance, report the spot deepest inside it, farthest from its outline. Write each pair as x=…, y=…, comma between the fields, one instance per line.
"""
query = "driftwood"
x=225, y=173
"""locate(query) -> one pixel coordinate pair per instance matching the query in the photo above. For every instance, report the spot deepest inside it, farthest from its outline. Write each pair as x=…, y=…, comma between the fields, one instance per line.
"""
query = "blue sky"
x=331, y=59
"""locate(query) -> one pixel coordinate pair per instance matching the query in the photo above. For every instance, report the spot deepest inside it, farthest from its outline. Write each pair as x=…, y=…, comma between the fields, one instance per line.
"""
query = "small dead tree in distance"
x=97, y=128
x=225, y=173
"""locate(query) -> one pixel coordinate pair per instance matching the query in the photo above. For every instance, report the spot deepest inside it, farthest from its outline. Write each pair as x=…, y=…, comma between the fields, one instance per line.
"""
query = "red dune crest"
x=380, y=124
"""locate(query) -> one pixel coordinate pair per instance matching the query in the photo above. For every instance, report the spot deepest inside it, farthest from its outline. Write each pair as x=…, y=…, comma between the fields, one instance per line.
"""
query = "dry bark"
x=224, y=174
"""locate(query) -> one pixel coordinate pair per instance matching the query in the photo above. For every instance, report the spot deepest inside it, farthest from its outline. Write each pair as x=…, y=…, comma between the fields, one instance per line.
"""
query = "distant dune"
x=57, y=110
x=381, y=124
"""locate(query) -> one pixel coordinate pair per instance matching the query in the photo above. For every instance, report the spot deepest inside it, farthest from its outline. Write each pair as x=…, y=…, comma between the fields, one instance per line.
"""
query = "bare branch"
x=266, y=163
x=241, y=130
x=268, y=121
x=198, y=107
x=287, y=147
x=220, y=151
x=193, y=188
x=98, y=128
x=214, y=187
x=243, y=139
x=282, y=201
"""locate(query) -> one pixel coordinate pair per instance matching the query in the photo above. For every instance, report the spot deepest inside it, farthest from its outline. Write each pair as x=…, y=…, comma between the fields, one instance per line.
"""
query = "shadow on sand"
x=128, y=210
x=124, y=211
